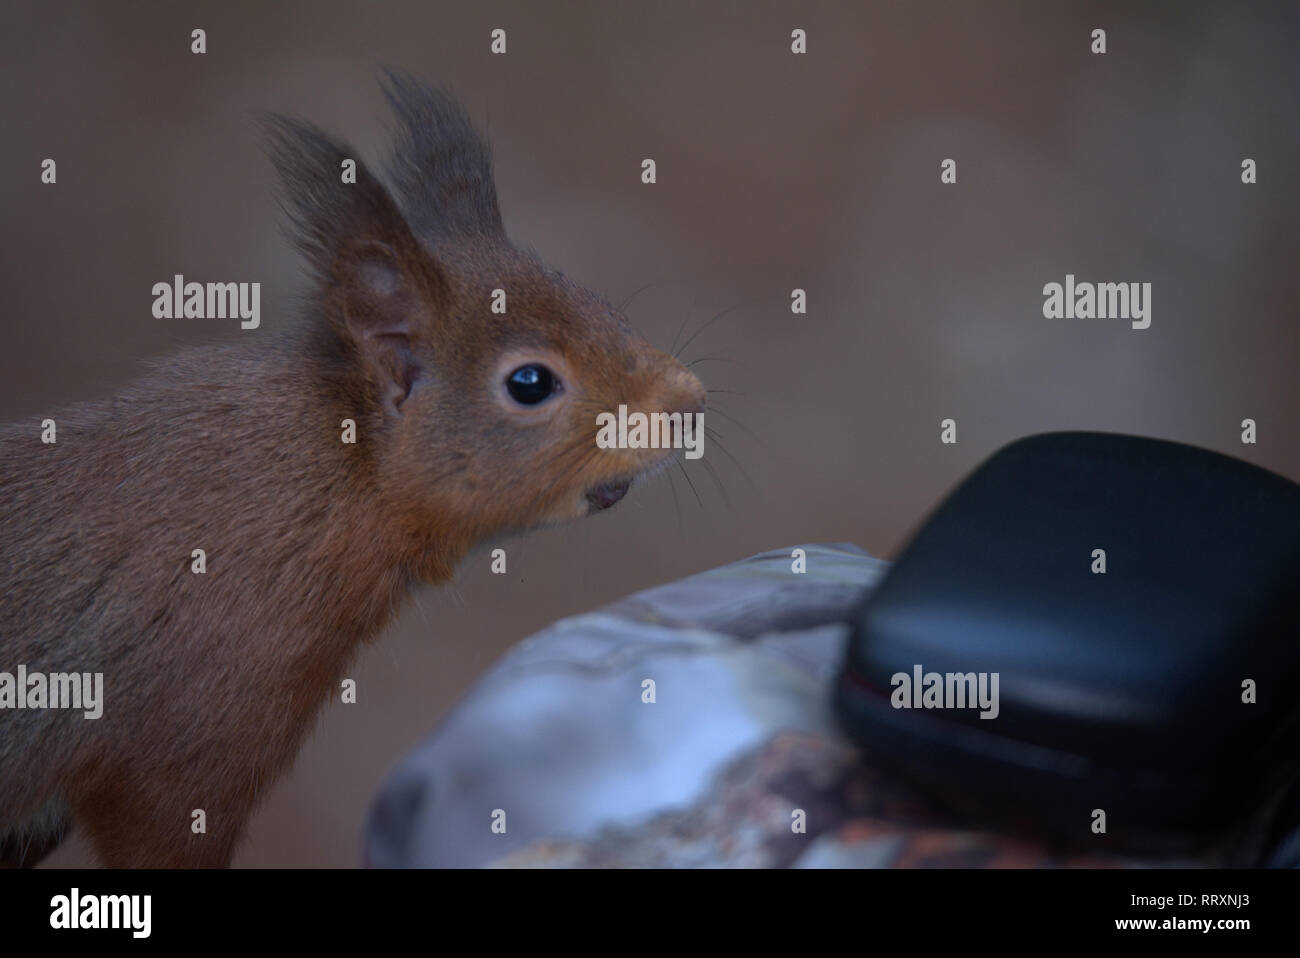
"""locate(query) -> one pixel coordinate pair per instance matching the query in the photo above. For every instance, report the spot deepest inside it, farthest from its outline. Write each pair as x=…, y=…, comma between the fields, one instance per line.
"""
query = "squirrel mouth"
x=606, y=494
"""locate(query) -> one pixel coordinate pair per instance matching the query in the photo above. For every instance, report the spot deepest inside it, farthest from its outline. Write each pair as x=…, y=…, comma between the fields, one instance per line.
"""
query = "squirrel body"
x=212, y=679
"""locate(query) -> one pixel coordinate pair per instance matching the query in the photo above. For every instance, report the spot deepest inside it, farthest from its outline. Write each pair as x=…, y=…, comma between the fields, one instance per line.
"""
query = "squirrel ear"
x=360, y=246
x=380, y=309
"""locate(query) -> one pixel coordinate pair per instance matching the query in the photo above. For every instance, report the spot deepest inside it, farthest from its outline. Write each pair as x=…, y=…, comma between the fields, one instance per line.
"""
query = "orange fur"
x=211, y=681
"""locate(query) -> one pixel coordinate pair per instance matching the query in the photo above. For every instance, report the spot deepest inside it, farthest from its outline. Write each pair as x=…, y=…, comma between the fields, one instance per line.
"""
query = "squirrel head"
x=470, y=421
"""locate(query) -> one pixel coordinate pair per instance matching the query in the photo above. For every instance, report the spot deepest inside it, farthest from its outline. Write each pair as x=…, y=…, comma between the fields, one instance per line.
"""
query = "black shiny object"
x=1161, y=691
x=531, y=384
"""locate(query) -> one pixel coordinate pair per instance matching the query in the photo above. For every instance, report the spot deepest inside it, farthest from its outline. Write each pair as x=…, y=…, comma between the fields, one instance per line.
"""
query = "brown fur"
x=211, y=681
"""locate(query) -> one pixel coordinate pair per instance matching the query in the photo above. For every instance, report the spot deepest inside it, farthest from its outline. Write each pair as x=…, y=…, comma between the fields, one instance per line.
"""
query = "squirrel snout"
x=684, y=393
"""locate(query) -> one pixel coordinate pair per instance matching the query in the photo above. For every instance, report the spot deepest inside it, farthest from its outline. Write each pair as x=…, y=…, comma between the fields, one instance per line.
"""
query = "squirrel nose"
x=687, y=393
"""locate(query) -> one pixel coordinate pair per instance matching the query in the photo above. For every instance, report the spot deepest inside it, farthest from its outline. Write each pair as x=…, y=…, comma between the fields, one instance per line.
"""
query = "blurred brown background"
x=775, y=171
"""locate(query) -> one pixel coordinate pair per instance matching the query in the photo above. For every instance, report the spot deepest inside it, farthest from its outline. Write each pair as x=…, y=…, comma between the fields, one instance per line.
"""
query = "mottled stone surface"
x=739, y=737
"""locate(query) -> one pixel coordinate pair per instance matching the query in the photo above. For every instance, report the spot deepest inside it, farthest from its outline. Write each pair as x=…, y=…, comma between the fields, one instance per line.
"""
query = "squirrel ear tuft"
x=441, y=165
x=329, y=207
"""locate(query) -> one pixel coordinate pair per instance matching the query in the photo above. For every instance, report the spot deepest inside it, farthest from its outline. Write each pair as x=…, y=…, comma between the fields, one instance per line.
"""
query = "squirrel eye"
x=531, y=384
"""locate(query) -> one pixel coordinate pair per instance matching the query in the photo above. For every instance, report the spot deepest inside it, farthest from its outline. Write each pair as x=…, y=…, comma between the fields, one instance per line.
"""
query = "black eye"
x=531, y=384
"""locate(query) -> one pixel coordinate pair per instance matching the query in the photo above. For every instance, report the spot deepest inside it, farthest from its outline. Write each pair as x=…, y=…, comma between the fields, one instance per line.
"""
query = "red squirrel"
x=468, y=424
